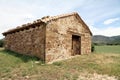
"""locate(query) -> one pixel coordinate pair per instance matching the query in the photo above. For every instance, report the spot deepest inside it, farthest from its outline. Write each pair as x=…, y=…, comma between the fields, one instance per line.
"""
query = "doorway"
x=76, y=45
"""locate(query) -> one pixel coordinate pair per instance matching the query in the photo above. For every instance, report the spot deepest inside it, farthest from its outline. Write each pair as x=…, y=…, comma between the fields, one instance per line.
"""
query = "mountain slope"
x=100, y=39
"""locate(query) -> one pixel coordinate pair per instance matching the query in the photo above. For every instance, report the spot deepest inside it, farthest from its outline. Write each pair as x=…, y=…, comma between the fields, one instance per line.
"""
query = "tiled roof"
x=42, y=20
x=50, y=18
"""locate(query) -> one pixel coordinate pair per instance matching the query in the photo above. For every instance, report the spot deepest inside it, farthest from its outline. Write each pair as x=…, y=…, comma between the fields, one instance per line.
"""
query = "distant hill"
x=100, y=39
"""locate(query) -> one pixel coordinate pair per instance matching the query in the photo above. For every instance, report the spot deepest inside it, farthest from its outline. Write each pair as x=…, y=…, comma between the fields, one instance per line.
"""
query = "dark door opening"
x=76, y=45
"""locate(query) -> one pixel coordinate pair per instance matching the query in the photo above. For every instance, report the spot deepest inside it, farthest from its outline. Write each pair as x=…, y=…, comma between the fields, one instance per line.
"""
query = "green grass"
x=16, y=66
x=107, y=49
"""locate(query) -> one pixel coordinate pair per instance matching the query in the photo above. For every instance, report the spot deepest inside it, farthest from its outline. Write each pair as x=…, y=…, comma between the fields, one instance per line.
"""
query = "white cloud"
x=19, y=12
x=109, y=31
x=109, y=21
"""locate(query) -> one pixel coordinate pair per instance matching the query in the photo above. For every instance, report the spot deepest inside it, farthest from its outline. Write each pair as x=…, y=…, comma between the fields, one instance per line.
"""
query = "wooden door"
x=75, y=45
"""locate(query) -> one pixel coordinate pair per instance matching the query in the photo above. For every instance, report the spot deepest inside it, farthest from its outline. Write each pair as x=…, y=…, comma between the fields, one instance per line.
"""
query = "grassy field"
x=19, y=67
x=107, y=49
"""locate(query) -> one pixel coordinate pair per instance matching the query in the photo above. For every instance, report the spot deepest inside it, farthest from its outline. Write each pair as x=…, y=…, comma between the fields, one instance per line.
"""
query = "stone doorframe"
x=76, y=45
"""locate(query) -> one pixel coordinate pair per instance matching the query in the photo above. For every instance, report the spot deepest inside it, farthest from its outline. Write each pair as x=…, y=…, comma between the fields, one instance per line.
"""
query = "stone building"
x=51, y=38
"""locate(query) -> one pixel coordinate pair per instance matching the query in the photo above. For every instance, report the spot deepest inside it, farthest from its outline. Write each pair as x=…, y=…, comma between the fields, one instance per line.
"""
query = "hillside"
x=100, y=39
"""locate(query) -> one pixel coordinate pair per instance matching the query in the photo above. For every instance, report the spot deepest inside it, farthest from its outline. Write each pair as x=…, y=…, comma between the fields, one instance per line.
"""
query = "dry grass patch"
x=17, y=67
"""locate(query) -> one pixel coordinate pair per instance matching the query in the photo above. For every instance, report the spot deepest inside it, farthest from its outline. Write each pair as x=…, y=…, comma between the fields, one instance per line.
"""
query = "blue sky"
x=102, y=16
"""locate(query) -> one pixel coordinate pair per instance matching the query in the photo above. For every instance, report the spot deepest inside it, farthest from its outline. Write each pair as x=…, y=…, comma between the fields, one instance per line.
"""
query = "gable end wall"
x=59, y=38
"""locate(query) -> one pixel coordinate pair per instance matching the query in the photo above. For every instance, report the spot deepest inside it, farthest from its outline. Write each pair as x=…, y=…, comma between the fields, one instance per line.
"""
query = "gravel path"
x=96, y=76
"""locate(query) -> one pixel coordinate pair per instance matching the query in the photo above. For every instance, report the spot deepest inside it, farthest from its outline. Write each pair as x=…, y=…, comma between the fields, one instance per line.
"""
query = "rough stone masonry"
x=51, y=38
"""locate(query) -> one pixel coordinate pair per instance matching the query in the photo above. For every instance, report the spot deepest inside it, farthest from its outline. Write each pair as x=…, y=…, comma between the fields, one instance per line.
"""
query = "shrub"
x=1, y=43
x=92, y=48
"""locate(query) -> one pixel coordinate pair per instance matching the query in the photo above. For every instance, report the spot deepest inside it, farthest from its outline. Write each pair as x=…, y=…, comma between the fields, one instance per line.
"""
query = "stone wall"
x=59, y=38
x=29, y=41
x=50, y=38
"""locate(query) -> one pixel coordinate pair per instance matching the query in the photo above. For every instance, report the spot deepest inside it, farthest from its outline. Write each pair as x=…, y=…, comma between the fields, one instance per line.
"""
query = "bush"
x=92, y=48
x=1, y=43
